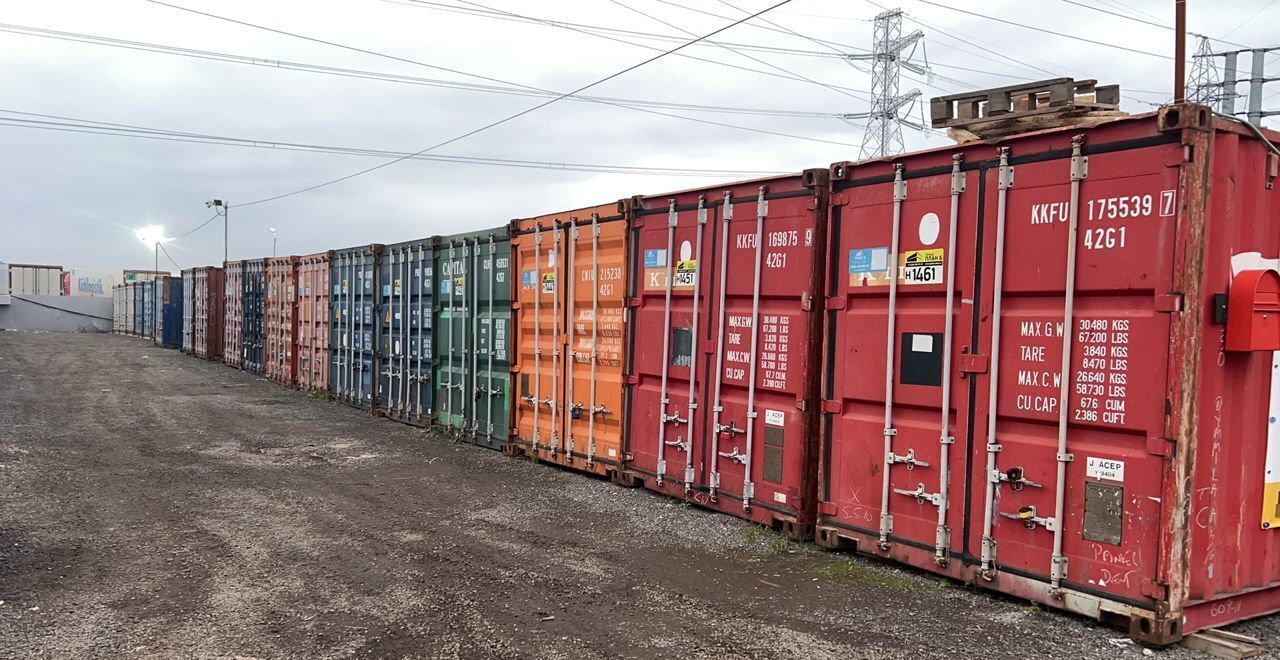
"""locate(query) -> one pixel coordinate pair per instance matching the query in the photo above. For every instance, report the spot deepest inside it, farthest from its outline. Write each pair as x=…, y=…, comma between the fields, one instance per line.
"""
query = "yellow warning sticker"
x=921, y=267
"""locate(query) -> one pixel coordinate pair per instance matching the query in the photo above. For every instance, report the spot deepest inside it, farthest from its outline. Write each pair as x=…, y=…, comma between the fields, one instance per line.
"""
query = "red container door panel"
x=921, y=483
x=665, y=440
x=1115, y=384
x=760, y=331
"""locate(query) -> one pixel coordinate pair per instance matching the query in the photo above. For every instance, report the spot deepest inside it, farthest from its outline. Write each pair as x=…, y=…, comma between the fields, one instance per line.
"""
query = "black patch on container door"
x=1103, y=512
x=681, y=347
x=921, y=362
x=524, y=384
x=773, y=454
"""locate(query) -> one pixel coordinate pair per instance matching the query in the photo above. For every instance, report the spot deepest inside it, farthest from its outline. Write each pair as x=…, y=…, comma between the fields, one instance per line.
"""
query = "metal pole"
x=226, y=231
x=1255, y=87
x=155, y=285
x=1228, y=103
x=1180, y=51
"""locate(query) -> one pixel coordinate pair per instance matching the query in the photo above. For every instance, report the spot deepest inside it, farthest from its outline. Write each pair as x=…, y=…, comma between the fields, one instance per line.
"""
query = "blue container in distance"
x=139, y=321
x=255, y=288
x=188, y=310
x=404, y=338
x=148, y=310
x=170, y=334
x=355, y=278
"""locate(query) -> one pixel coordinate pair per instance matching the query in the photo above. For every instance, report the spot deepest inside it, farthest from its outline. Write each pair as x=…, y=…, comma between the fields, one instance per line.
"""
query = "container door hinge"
x=974, y=363
x=1169, y=302
x=836, y=302
x=1160, y=447
x=633, y=302
x=806, y=301
x=631, y=379
x=830, y=406
x=1273, y=169
x=828, y=508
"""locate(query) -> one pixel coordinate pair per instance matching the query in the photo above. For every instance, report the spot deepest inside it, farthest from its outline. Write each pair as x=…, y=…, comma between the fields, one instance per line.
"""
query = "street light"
x=221, y=204
x=273, y=241
x=153, y=236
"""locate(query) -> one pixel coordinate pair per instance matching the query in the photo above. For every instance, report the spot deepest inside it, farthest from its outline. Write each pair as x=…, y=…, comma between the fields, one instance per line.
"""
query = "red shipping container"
x=233, y=316
x=313, y=322
x=280, y=360
x=1027, y=379
x=724, y=347
x=208, y=310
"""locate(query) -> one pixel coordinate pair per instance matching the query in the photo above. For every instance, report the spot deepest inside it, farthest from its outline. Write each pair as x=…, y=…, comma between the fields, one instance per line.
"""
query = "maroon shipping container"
x=724, y=347
x=1031, y=351
x=233, y=319
x=313, y=322
x=280, y=359
x=208, y=310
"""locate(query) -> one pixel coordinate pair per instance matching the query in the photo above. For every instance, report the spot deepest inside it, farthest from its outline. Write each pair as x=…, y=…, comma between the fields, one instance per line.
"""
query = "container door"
x=1079, y=344
x=597, y=258
x=540, y=317
x=490, y=387
x=355, y=331
x=760, y=440
x=453, y=334
x=405, y=378
x=665, y=437
x=897, y=397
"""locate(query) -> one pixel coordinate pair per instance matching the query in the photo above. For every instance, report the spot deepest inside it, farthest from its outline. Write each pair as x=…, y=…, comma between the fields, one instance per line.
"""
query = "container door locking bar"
x=942, y=537
x=717, y=407
x=1005, y=182
x=899, y=195
x=748, y=485
x=664, y=400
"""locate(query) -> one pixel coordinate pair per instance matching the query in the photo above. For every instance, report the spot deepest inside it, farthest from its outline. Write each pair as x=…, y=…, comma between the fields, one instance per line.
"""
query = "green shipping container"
x=472, y=336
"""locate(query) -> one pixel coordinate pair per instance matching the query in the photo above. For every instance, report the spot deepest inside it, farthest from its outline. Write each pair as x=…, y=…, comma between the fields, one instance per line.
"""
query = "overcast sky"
x=75, y=199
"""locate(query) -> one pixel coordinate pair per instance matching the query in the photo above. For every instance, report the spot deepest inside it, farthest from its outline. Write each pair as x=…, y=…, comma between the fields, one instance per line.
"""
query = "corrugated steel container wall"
x=1053, y=422
x=255, y=309
x=354, y=276
x=133, y=309
x=117, y=309
x=233, y=314
x=208, y=309
x=148, y=310
x=188, y=309
x=725, y=348
x=35, y=280
x=473, y=335
x=169, y=334
x=570, y=323
x=313, y=322
x=404, y=340
x=280, y=354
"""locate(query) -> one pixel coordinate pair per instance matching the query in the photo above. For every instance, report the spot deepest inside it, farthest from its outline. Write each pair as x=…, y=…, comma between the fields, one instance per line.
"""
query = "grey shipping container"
x=148, y=310
x=188, y=309
x=354, y=276
x=255, y=297
x=472, y=335
x=404, y=339
x=117, y=309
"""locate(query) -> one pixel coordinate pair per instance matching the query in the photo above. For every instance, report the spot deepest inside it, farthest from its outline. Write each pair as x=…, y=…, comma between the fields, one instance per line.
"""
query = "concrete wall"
x=56, y=314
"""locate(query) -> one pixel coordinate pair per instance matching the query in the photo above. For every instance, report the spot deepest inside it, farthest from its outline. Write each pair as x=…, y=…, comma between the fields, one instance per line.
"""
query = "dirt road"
x=156, y=506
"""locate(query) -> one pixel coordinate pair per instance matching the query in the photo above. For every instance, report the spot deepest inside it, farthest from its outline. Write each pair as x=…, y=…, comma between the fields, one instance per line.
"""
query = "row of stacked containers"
x=1007, y=363
x=151, y=309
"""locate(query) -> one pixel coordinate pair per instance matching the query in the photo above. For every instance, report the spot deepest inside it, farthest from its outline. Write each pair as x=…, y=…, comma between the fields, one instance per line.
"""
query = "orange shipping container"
x=571, y=332
x=313, y=322
x=280, y=363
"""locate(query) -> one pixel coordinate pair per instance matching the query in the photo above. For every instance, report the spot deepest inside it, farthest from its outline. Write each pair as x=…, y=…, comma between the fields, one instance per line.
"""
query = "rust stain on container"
x=233, y=304
x=313, y=322
x=571, y=273
x=280, y=355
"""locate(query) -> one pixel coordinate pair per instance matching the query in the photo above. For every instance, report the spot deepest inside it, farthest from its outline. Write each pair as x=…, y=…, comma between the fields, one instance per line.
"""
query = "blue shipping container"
x=354, y=276
x=404, y=341
x=169, y=334
x=255, y=300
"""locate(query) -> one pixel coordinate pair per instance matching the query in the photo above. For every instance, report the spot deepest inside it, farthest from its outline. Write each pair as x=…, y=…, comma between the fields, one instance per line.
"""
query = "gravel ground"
x=157, y=506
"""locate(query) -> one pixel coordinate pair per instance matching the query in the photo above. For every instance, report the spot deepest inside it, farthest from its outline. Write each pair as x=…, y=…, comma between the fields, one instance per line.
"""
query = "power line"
x=79, y=125
x=200, y=226
x=1163, y=26
x=166, y=254
x=1256, y=14
x=215, y=56
x=513, y=116
x=557, y=95
x=500, y=13
x=1047, y=31
x=730, y=49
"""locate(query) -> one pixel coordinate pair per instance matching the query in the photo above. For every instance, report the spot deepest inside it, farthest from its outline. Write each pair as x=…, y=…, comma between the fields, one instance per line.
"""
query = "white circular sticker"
x=930, y=226
x=686, y=251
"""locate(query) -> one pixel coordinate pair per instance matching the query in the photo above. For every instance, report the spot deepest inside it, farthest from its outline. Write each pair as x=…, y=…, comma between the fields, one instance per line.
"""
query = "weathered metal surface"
x=354, y=280
x=280, y=334
x=313, y=322
x=405, y=300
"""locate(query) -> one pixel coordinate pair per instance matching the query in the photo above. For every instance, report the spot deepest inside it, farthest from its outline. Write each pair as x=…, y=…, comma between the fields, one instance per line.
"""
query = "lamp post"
x=222, y=204
x=273, y=241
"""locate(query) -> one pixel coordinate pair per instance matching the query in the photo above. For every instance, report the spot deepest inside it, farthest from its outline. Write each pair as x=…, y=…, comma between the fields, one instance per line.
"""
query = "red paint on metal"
x=280, y=360
x=697, y=321
x=208, y=310
x=1253, y=311
x=313, y=322
x=1163, y=489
